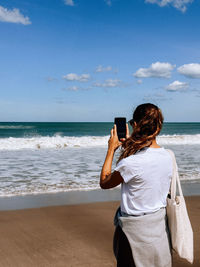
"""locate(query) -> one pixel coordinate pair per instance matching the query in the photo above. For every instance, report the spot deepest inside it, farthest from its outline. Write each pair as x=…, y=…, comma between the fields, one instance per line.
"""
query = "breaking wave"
x=61, y=142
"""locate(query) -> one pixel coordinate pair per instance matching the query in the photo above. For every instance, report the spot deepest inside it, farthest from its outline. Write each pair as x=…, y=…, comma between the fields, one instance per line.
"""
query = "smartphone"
x=121, y=127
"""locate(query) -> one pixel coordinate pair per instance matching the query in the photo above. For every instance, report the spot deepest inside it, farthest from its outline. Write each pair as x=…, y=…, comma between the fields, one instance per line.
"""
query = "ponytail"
x=148, y=120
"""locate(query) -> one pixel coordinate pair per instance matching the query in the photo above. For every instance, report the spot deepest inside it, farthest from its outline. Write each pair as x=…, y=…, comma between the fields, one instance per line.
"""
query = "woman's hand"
x=113, y=142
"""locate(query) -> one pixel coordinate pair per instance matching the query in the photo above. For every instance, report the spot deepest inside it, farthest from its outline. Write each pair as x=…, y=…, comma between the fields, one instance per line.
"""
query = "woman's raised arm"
x=108, y=179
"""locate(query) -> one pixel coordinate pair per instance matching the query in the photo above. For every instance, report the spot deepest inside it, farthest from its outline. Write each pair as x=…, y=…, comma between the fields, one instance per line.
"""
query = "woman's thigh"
x=122, y=249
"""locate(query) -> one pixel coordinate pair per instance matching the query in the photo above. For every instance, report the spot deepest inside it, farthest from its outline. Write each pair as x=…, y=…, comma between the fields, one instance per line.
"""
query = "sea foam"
x=62, y=142
x=8, y=127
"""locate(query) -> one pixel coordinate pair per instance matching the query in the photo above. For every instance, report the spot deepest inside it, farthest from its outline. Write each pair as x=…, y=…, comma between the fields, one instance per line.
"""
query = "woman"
x=144, y=170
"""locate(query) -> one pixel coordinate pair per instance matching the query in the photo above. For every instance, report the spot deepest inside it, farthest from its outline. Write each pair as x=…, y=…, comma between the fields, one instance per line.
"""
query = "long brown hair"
x=149, y=119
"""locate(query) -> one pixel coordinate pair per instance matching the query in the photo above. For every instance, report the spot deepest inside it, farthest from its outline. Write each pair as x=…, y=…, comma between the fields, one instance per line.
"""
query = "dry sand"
x=75, y=235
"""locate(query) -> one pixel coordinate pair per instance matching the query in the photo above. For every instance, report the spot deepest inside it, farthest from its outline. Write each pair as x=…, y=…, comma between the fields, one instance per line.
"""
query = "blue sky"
x=92, y=60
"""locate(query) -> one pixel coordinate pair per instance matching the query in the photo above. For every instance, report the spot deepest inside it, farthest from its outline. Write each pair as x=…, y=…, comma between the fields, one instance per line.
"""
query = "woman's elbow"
x=103, y=185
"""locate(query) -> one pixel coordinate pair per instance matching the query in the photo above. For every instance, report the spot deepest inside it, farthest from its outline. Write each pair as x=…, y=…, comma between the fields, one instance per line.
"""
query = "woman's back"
x=147, y=175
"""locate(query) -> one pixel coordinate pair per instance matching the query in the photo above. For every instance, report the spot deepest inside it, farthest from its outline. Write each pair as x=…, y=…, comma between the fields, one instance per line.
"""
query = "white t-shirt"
x=147, y=175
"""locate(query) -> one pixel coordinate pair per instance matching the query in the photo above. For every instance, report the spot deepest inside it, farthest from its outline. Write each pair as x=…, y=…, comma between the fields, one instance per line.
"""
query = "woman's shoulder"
x=130, y=160
x=128, y=167
x=169, y=150
x=141, y=155
x=171, y=155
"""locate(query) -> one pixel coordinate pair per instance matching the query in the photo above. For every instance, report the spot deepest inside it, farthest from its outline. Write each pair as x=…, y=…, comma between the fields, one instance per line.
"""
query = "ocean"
x=47, y=157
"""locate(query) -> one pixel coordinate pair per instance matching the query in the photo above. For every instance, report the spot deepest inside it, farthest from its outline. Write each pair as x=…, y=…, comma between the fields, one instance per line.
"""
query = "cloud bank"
x=13, y=16
x=108, y=2
x=76, y=77
x=178, y=4
x=73, y=88
x=139, y=81
x=100, y=68
x=155, y=98
x=69, y=2
x=190, y=70
x=157, y=69
x=109, y=83
x=177, y=86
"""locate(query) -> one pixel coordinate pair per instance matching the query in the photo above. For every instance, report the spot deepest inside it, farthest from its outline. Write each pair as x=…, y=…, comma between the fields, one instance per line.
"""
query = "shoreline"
x=77, y=197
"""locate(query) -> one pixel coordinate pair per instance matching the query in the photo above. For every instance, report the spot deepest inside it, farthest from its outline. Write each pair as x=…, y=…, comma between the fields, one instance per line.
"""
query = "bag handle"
x=175, y=178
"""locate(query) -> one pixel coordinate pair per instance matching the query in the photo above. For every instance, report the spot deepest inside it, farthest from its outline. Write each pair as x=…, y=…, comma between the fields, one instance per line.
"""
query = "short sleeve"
x=126, y=170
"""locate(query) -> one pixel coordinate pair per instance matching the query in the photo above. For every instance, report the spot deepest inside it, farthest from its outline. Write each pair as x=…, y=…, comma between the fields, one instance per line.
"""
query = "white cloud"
x=69, y=2
x=190, y=70
x=139, y=81
x=13, y=16
x=76, y=77
x=108, y=83
x=51, y=79
x=76, y=88
x=155, y=98
x=157, y=69
x=179, y=4
x=108, y=2
x=73, y=88
x=100, y=68
x=177, y=86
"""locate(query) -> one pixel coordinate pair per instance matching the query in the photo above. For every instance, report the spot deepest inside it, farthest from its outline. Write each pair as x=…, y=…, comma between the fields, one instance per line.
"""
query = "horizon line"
x=87, y=122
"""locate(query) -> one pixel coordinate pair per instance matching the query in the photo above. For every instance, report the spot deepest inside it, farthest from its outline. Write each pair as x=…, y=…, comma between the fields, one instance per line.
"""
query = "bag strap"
x=175, y=178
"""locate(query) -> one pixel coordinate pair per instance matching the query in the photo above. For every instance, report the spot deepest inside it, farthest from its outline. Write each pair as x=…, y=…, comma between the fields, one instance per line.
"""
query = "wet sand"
x=77, y=196
x=70, y=235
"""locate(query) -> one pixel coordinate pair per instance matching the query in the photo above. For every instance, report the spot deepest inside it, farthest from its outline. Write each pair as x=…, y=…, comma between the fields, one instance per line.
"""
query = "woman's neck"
x=154, y=144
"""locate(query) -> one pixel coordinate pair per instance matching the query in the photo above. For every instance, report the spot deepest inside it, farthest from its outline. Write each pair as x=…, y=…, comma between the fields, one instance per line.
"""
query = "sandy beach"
x=70, y=235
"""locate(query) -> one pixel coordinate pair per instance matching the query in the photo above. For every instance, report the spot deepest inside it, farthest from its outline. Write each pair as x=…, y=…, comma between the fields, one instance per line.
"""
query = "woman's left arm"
x=108, y=179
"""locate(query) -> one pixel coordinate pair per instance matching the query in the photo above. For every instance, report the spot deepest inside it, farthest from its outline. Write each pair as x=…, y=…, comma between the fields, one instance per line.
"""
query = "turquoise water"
x=30, y=129
x=51, y=157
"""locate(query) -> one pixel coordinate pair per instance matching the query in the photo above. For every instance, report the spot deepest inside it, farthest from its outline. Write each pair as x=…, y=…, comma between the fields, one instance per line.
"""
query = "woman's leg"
x=122, y=249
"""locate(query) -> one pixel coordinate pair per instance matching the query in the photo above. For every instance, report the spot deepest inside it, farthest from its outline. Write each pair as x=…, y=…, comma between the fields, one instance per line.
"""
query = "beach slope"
x=75, y=235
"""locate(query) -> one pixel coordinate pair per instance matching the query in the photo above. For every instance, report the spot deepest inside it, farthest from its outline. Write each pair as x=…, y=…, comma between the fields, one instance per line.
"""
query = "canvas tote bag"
x=178, y=220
